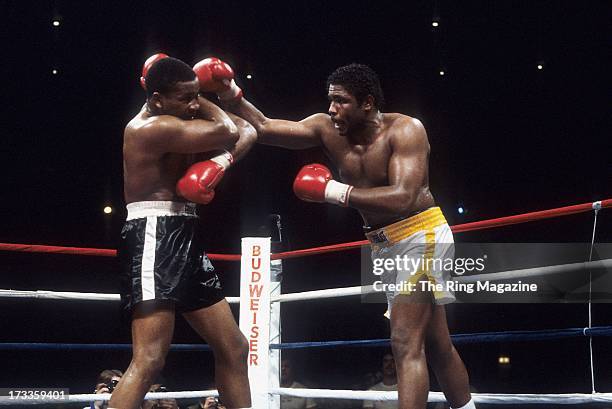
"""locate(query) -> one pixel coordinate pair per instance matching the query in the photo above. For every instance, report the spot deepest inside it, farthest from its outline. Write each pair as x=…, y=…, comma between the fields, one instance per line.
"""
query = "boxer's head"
x=355, y=94
x=172, y=89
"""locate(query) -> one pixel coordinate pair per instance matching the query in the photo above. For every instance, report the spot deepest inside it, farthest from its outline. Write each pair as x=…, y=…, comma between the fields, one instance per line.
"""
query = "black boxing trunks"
x=162, y=257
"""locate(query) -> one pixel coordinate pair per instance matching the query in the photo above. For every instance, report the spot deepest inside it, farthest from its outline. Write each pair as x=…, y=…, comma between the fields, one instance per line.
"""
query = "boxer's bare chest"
x=361, y=165
x=149, y=175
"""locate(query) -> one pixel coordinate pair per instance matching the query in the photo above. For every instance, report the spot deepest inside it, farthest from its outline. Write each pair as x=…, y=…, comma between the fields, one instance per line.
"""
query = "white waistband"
x=138, y=210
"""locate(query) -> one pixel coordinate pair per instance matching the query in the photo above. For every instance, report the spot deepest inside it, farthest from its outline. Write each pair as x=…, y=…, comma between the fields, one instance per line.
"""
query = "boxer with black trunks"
x=383, y=158
x=164, y=268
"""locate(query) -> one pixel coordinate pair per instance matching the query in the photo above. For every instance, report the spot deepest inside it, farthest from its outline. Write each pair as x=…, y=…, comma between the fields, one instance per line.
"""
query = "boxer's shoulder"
x=403, y=128
x=319, y=121
x=146, y=128
x=322, y=124
x=406, y=122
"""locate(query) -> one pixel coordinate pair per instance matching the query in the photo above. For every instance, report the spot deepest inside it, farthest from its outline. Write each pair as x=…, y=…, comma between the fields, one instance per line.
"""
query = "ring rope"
x=89, y=397
x=434, y=397
x=458, y=339
x=472, y=226
x=326, y=293
x=72, y=295
x=537, y=271
x=54, y=346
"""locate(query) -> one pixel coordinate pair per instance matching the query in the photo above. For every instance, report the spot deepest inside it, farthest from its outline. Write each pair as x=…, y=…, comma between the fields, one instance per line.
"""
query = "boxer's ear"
x=156, y=100
x=368, y=103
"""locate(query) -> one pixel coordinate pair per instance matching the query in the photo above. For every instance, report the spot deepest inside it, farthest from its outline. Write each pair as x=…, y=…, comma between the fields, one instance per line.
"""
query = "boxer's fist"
x=218, y=77
x=147, y=65
x=198, y=183
x=310, y=182
x=314, y=183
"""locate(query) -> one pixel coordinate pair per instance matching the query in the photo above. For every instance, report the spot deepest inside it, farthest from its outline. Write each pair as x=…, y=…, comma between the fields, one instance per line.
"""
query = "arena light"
x=441, y=73
x=107, y=210
x=540, y=67
x=460, y=210
x=503, y=360
x=54, y=71
x=56, y=23
x=435, y=23
x=249, y=76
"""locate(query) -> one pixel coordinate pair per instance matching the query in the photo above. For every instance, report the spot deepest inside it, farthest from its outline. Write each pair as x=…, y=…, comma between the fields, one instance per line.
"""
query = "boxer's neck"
x=369, y=129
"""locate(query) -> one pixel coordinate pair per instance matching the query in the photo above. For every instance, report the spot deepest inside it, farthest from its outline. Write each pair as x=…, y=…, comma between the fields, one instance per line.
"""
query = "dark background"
x=506, y=138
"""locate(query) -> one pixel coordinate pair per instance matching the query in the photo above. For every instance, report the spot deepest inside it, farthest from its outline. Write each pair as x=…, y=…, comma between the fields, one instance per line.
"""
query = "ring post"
x=275, y=332
x=255, y=314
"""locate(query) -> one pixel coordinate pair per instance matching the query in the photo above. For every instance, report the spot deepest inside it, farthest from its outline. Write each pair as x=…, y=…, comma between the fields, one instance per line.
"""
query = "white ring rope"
x=59, y=295
x=71, y=295
x=434, y=397
x=493, y=398
x=537, y=271
x=327, y=293
x=89, y=397
x=503, y=275
x=330, y=292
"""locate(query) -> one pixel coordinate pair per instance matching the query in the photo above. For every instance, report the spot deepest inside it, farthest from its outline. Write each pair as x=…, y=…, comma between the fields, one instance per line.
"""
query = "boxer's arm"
x=408, y=169
x=277, y=132
x=172, y=134
x=210, y=111
x=247, y=137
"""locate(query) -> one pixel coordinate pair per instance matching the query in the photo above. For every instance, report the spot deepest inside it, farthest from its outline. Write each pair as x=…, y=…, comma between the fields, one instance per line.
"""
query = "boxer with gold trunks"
x=382, y=159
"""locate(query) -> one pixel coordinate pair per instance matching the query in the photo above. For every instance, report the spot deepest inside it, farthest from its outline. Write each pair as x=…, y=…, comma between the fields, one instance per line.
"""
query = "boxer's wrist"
x=224, y=160
x=337, y=193
x=232, y=93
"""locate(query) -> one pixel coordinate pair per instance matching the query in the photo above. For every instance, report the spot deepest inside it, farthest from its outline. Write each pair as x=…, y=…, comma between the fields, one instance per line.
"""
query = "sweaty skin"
x=383, y=155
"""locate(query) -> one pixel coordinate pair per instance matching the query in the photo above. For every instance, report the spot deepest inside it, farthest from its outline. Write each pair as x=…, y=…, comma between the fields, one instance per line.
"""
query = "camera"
x=111, y=386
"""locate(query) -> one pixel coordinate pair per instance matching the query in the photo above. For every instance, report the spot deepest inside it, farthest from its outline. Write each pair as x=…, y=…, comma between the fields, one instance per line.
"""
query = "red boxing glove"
x=198, y=183
x=218, y=77
x=147, y=65
x=314, y=183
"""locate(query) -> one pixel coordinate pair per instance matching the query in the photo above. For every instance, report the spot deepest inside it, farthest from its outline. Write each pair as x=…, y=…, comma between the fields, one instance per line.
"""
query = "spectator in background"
x=388, y=383
x=288, y=381
x=209, y=402
x=168, y=403
x=106, y=382
x=367, y=380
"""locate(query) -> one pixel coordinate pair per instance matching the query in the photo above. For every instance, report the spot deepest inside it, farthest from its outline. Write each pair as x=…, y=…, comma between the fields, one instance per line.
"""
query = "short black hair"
x=360, y=81
x=165, y=73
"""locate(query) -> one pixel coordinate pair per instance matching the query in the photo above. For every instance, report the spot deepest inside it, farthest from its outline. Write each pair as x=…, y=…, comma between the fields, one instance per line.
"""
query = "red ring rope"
x=459, y=228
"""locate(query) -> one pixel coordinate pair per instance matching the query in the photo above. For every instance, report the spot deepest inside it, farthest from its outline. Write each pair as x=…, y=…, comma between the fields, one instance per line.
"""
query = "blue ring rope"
x=458, y=339
x=43, y=346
